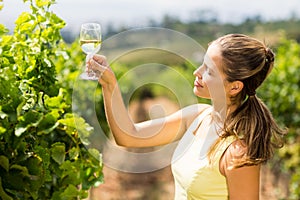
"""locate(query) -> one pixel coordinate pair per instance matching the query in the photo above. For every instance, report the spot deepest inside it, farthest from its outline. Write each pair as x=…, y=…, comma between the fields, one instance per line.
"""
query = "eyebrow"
x=208, y=62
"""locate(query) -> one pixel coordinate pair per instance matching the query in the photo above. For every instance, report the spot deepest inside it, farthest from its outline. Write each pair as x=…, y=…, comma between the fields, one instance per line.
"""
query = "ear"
x=235, y=87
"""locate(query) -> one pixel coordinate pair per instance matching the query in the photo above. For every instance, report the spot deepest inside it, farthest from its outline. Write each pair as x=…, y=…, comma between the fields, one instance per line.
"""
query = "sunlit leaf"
x=58, y=152
x=2, y=114
x=2, y=130
x=41, y=3
x=71, y=192
x=74, y=153
x=29, y=119
x=23, y=18
x=3, y=29
x=95, y=153
x=20, y=130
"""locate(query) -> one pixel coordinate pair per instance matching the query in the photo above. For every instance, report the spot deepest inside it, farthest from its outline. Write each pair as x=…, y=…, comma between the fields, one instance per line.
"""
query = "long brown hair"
x=248, y=60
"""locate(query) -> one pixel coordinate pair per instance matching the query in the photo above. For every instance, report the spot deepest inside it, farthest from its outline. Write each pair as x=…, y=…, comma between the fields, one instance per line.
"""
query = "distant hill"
x=205, y=31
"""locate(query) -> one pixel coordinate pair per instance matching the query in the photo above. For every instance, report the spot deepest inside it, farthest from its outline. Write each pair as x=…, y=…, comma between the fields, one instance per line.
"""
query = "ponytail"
x=254, y=124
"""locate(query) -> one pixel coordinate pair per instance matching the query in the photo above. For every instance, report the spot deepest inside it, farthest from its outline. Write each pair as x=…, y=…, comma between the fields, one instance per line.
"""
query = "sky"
x=137, y=13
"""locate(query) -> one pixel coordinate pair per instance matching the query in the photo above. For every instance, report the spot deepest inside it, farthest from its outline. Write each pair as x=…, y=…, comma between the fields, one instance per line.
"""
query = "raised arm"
x=126, y=132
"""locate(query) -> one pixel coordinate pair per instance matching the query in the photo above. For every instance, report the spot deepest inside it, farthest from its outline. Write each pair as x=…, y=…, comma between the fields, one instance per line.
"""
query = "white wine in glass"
x=90, y=42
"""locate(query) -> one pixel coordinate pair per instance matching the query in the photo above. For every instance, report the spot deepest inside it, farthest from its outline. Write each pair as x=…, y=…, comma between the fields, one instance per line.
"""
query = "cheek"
x=215, y=86
x=205, y=77
x=208, y=79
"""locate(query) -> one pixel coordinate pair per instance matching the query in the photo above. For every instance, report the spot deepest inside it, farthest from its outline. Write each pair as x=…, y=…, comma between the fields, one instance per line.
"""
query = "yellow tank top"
x=195, y=178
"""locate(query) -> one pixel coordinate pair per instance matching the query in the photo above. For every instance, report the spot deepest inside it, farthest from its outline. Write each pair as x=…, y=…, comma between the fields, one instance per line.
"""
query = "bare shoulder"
x=236, y=150
x=243, y=182
x=189, y=113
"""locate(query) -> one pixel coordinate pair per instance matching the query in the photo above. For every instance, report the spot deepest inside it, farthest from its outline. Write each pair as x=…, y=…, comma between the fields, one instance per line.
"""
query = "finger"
x=100, y=59
x=88, y=68
x=95, y=66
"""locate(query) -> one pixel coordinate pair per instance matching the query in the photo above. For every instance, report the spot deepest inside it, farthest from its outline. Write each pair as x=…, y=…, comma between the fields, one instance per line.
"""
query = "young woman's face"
x=209, y=77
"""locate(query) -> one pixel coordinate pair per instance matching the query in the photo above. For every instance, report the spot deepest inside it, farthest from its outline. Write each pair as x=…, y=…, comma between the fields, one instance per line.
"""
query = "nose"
x=198, y=72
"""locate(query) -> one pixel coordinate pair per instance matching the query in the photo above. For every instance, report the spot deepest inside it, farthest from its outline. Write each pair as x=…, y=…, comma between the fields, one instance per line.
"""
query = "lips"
x=197, y=84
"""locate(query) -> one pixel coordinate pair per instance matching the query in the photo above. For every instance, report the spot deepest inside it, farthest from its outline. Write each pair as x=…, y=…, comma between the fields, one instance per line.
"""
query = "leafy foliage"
x=281, y=93
x=42, y=155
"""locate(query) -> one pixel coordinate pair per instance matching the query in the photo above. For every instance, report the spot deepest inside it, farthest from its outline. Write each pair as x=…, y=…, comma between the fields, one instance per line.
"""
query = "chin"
x=201, y=95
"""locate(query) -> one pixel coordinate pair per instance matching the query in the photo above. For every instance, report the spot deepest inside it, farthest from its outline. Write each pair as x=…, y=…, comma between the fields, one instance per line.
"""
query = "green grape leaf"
x=58, y=152
x=44, y=155
x=84, y=130
x=41, y=3
x=56, y=101
x=2, y=114
x=3, y=194
x=74, y=153
x=4, y=163
x=3, y=29
x=2, y=130
x=28, y=120
x=71, y=192
x=23, y=18
x=20, y=130
x=48, y=123
x=95, y=154
x=71, y=172
x=22, y=169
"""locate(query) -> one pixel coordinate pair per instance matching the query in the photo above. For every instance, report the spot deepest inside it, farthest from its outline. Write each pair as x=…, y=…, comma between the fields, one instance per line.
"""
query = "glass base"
x=86, y=76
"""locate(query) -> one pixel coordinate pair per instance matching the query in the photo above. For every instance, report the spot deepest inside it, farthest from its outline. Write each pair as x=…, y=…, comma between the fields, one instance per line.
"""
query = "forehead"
x=213, y=56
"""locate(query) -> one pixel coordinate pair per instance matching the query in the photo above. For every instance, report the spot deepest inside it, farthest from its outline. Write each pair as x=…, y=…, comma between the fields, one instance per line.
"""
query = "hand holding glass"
x=90, y=42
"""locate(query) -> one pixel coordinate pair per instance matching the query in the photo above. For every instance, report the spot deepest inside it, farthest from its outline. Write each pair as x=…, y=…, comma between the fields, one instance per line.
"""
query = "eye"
x=208, y=70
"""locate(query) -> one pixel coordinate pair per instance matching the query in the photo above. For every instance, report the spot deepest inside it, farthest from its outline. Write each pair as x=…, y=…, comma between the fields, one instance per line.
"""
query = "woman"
x=221, y=146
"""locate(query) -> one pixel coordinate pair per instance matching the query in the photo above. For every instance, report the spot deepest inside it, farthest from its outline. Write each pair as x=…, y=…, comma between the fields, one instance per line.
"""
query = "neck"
x=231, y=109
x=221, y=111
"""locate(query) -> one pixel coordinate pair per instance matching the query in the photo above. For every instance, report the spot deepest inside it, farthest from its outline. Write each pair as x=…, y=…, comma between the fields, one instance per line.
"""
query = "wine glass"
x=90, y=42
